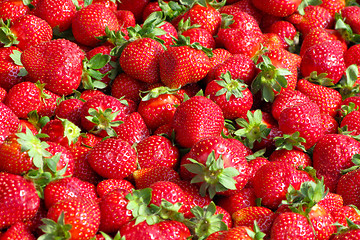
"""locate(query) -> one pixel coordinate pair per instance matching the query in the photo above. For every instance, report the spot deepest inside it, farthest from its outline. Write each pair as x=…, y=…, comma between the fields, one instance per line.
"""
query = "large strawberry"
x=19, y=200
x=26, y=31
x=183, y=64
x=58, y=63
x=112, y=158
x=197, y=118
x=90, y=22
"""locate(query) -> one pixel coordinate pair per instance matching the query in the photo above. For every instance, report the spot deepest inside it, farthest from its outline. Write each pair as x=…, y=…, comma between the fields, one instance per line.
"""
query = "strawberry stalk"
x=289, y=142
x=91, y=76
x=7, y=37
x=55, y=230
x=347, y=86
x=103, y=120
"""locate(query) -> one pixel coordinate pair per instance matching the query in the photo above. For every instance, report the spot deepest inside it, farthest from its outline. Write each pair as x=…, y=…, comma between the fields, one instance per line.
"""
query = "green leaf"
x=16, y=57
x=98, y=61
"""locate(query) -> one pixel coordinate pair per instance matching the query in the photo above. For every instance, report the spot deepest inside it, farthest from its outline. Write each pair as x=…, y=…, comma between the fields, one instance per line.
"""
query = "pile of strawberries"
x=189, y=119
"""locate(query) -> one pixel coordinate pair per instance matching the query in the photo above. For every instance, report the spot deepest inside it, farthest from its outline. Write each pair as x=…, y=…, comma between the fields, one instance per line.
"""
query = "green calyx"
x=185, y=41
x=91, y=77
x=252, y=129
x=7, y=37
x=107, y=237
x=186, y=25
x=270, y=79
x=346, y=109
x=344, y=131
x=213, y=176
x=289, y=141
x=347, y=85
x=320, y=79
x=104, y=121
x=36, y=120
x=256, y=234
x=230, y=87
x=55, y=230
x=172, y=9
x=16, y=57
x=345, y=30
x=156, y=92
x=71, y=131
x=205, y=221
x=356, y=160
x=305, y=3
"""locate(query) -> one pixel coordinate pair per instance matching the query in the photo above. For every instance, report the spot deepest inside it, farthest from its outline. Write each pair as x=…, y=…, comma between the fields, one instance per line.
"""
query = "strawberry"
x=243, y=6
x=239, y=66
x=17, y=231
x=77, y=217
x=26, y=31
x=101, y=114
x=183, y=63
x=232, y=95
x=333, y=153
x=70, y=109
x=158, y=106
x=245, y=198
x=291, y=225
x=193, y=113
x=169, y=191
x=333, y=6
x=295, y=157
x=9, y=122
x=272, y=180
x=219, y=158
x=65, y=188
x=90, y=22
x=107, y=3
x=330, y=124
x=157, y=151
x=292, y=120
x=133, y=130
x=112, y=158
x=312, y=17
x=348, y=186
x=128, y=87
x=114, y=212
x=108, y=185
x=285, y=30
x=58, y=14
x=90, y=93
x=171, y=34
x=277, y=8
x=146, y=176
x=9, y=71
x=351, y=121
x=351, y=16
x=264, y=218
x=273, y=41
x=12, y=9
x=19, y=200
x=58, y=63
x=197, y=34
x=344, y=212
x=136, y=9
x=169, y=229
x=326, y=57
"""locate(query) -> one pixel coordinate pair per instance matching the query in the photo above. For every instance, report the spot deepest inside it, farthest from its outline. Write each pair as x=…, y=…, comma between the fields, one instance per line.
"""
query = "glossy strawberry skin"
x=146, y=176
x=125, y=86
x=58, y=63
x=82, y=213
x=352, y=122
x=351, y=16
x=181, y=65
x=12, y=9
x=18, y=231
x=277, y=7
x=90, y=22
x=8, y=69
x=326, y=57
x=333, y=153
x=348, y=188
x=195, y=112
x=70, y=109
x=169, y=191
x=108, y=185
x=9, y=122
x=19, y=200
x=133, y=130
x=112, y=158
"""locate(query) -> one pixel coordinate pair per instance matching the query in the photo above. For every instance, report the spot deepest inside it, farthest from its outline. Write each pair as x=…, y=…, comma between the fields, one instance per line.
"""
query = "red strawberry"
x=90, y=22
x=140, y=59
x=326, y=57
x=65, y=188
x=157, y=151
x=244, y=6
x=245, y=198
x=136, y=9
x=296, y=157
x=158, y=106
x=108, y=185
x=112, y=158
x=333, y=153
x=58, y=14
x=344, y=212
x=58, y=63
x=125, y=86
x=12, y=9
x=351, y=120
x=291, y=225
x=9, y=70
x=169, y=229
x=183, y=64
x=348, y=187
x=70, y=109
x=199, y=35
x=333, y=6
x=330, y=124
x=195, y=112
x=351, y=16
x=19, y=200
x=219, y=158
x=233, y=96
x=133, y=130
x=107, y=3
x=27, y=31
x=17, y=231
x=114, y=212
x=277, y=7
x=9, y=122
x=146, y=176
x=82, y=214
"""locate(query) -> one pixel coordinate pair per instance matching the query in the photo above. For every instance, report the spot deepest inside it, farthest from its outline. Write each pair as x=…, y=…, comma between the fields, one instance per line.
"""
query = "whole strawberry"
x=197, y=118
x=90, y=22
x=57, y=63
x=9, y=70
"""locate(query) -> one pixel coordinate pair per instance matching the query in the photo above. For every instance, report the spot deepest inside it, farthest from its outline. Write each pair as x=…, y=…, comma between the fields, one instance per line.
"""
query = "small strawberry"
x=196, y=34
x=112, y=158
x=193, y=113
x=146, y=176
x=12, y=9
x=296, y=157
x=136, y=9
x=277, y=8
x=9, y=71
x=133, y=130
x=127, y=87
x=108, y=185
x=70, y=109
x=245, y=198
